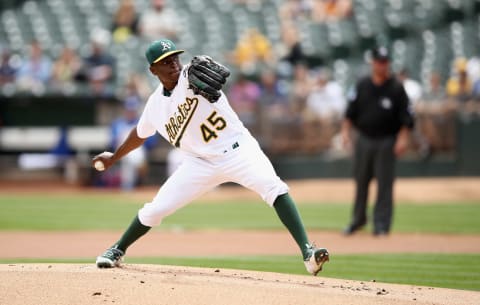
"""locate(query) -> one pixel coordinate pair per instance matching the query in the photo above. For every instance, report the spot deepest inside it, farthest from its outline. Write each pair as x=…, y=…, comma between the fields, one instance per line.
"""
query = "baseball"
x=99, y=165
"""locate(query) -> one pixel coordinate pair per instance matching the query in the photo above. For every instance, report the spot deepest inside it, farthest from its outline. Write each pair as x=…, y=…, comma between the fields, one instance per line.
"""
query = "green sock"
x=288, y=214
x=134, y=232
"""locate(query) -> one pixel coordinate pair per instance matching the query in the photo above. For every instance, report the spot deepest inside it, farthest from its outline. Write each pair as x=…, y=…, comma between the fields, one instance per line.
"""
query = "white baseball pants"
x=246, y=165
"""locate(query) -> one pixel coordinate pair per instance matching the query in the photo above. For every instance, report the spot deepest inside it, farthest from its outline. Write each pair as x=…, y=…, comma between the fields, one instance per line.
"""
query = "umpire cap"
x=380, y=53
x=160, y=49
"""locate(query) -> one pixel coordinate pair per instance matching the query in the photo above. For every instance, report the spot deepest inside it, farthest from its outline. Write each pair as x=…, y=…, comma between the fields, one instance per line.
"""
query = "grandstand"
x=428, y=32
x=424, y=35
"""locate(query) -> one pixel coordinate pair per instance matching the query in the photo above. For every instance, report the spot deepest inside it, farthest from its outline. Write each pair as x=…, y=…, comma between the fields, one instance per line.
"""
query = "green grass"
x=52, y=212
x=59, y=212
x=114, y=212
x=459, y=271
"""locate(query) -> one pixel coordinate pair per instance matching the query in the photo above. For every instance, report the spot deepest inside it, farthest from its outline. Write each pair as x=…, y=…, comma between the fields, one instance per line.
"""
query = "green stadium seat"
x=318, y=35
x=401, y=23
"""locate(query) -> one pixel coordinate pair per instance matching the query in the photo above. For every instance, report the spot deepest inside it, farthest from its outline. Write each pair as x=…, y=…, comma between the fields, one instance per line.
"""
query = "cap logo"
x=165, y=45
x=386, y=103
x=160, y=49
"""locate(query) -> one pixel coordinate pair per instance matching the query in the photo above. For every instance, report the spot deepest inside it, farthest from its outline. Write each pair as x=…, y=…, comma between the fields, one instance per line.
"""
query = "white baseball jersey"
x=218, y=149
x=190, y=122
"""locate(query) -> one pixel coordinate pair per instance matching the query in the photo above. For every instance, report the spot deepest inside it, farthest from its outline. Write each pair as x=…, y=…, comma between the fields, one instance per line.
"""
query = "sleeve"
x=351, y=111
x=406, y=115
x=145, y=129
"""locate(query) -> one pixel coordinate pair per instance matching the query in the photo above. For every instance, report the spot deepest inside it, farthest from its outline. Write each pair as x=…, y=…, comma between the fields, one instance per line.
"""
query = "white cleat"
x=111, y=258
x=316, y=259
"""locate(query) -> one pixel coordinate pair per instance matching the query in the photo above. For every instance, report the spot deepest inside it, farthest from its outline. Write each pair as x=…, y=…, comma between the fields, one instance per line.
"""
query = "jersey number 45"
x=214, y=123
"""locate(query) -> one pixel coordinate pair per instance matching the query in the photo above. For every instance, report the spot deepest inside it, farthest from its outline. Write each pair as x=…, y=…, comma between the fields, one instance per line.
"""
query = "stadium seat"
x=396, y=22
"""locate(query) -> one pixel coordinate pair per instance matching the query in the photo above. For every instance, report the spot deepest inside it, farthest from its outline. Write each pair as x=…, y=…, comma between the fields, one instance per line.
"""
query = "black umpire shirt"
x=379, y=111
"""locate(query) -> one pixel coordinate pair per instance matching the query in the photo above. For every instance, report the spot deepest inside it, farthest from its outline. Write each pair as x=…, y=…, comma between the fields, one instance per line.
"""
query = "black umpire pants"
x=374, y=158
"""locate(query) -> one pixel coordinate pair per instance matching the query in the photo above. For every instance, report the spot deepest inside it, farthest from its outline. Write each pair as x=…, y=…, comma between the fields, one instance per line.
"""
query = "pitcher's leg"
x=255, y=171
x=133, y=233
x=192, y=179
x=262, y=179
x=313, y=257
x=288, y=214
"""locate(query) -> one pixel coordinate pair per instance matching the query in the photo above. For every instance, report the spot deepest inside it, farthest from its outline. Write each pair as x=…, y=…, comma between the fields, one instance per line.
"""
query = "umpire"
x=379, y=111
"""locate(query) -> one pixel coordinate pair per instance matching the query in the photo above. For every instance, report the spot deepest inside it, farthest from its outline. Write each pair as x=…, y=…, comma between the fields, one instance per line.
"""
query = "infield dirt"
x=146, y=284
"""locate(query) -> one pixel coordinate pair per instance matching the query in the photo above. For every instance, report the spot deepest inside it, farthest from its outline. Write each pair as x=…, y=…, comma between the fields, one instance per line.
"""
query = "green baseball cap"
x=160, y=49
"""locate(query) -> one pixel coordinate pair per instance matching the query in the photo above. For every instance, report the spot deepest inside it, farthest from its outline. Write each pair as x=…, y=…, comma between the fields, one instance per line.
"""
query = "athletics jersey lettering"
x=178, y=122
x=189, y=121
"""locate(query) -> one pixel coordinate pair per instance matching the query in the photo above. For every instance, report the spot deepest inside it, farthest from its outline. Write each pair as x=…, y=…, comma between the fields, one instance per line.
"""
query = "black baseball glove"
x=206, y=77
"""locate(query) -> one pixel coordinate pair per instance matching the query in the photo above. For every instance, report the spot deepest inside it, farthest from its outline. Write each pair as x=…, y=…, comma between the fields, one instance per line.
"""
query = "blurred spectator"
x=275, y=113
x=473, y=68
x=291, y=11
x=99, y=67
x=244, y=97
x=273, y=96
x=475, y=102
x=137, y=85
x=65, y=69
x=125, y=22
x=247, y=2
x=132, y=166
x=35, y=71
x=326, y=101
x=476, y=90
x=324, y=109
x=292, y=52
x=412, y=87
x=302, y=85
x=414, y=92
x=252, y=49
x=8, y=69
x=435, y=92
x=331, y=10
x=159, y=21
x=436, y=116
x=459, y=86
x=434, y=100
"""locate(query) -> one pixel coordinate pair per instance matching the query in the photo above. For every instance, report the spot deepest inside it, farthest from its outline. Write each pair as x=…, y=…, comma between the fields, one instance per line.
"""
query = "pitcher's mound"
x=70, y=284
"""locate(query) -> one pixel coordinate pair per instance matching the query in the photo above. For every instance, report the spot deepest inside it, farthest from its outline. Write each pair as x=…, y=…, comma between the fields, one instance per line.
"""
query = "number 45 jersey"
x=190, y=122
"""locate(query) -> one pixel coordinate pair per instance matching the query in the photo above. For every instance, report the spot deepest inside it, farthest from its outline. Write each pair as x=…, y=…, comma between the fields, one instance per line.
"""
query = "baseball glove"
x=206, y=77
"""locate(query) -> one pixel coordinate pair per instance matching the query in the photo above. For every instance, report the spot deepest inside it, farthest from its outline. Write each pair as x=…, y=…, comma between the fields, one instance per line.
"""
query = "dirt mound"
x=35, y=284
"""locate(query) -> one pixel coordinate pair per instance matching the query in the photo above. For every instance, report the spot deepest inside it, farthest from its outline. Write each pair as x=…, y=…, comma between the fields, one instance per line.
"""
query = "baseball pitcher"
x=191, y=112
